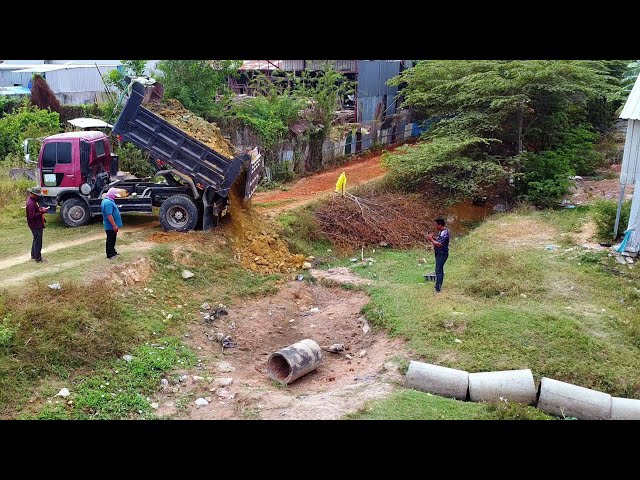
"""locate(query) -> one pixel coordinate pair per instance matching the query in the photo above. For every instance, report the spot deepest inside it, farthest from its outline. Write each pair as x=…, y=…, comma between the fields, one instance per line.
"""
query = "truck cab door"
x=59, y=165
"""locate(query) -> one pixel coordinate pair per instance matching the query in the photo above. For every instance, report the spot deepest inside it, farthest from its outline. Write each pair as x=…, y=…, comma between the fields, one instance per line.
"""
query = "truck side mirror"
x=25, y=146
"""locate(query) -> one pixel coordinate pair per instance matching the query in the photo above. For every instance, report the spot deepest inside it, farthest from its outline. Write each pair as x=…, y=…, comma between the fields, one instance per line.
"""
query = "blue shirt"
x=443, y=238
x=109, y=207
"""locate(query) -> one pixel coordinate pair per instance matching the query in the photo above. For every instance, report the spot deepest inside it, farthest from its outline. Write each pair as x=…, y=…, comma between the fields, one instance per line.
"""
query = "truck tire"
x=179, y=213
x=75, y=212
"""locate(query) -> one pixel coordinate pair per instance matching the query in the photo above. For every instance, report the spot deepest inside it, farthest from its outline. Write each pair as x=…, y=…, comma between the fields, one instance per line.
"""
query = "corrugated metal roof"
x=14, y=91
x=632, y=106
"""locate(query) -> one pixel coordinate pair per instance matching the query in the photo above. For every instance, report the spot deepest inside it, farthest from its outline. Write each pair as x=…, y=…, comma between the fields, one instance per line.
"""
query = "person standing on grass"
x=111, y=220
x=441, y=250
x=36, y=221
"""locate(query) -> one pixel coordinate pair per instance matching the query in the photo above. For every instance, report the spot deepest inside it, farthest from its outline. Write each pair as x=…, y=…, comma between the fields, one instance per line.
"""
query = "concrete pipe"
x=294, y=361
x=563, y=399
x=443, y=381
x=513, y=385
x=624, y=409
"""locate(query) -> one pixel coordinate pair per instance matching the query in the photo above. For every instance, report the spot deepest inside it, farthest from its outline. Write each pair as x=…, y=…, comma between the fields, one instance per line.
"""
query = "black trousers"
x=36, y=245
x=111, y=243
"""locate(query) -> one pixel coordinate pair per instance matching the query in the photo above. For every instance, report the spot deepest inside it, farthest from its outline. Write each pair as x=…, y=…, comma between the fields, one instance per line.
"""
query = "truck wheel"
x=75, y=212
x=179, y=213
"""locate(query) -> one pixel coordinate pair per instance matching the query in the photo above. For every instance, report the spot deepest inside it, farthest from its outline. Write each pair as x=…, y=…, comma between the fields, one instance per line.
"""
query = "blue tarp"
x=14, y=91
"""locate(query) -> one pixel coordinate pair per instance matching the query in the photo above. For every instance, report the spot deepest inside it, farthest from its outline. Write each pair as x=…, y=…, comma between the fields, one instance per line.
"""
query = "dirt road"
x=10, y=262
x=310, y=188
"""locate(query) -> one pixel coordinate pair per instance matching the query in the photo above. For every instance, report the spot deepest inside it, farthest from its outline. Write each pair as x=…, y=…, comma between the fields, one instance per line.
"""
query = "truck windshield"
x=56, y=152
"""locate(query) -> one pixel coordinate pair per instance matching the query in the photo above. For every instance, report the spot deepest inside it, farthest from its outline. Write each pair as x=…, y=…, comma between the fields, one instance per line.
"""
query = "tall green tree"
x=200, y=85
x=534, y=115
x=526, y=104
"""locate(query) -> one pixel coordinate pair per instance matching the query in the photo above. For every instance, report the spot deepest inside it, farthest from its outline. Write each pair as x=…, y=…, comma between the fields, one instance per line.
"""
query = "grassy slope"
x=566, y=313
x=75, y=337
x=414, y=405
x=514, y=304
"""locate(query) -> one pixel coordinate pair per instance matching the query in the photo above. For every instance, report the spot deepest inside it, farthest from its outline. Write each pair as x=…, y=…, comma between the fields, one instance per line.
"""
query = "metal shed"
x=630, y=171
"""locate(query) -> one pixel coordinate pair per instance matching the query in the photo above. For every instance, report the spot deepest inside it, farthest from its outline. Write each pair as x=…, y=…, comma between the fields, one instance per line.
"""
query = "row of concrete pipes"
x=552, y=396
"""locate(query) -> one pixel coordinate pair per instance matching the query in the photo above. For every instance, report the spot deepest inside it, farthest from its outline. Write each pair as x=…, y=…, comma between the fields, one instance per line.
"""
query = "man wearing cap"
x=111, y=220
x=35, y=220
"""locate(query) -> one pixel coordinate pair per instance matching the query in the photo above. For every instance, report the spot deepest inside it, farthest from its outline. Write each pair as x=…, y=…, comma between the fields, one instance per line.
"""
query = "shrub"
x=545, y=177
x=270, y=116
x=604, y=216
x=42, y=96
x=134, y=160
x=452, y=164
x=26, y=122
x=282, y=171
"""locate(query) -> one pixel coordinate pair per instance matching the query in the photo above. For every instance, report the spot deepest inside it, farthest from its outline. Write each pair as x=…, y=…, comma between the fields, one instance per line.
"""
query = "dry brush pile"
x=387, y=219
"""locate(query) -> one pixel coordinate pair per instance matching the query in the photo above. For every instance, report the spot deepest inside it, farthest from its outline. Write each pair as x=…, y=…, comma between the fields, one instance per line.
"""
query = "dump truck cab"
x=74, y=165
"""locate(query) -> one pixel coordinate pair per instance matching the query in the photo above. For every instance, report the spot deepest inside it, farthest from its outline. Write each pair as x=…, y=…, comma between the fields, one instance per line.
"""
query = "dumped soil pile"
x=387, y=219
x=256, y=245
x=208, y=133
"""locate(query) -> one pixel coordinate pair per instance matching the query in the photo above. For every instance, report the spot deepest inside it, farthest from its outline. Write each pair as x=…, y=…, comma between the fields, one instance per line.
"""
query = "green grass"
x=570, y=315
x=51, y=332
x=48, y=336
x=275, y=203
x=414, y=405
x=118, y=389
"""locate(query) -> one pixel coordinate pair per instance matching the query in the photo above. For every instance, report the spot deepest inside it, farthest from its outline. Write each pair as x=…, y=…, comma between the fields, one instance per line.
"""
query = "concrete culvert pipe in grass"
x=292, y=362
x=512, y=385
x=564, y=399
x=443, y=381
x=624, y=409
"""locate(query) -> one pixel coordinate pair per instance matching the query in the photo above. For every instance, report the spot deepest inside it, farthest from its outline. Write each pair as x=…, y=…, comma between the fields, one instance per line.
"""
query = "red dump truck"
x=76, y=168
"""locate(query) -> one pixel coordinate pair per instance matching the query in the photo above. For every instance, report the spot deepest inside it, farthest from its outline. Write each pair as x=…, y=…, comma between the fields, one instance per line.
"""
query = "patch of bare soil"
x=134, y=272
x=338, y=275
x=523, y=232
x=342, y=383
x=587, y=191
x=309, y=188
x=585, y=237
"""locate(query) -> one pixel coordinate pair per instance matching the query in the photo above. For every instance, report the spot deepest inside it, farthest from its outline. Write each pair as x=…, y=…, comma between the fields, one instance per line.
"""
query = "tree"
x=200, y=85
x=524, y=106
x=42, y=96
x=629, y=79
x=131, y=68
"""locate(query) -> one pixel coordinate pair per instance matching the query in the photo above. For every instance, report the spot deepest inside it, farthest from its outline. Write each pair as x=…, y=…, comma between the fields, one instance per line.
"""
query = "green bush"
x=545, y=177
x=454, y=165
x=134, y=160
x=604, y=216
x=282, y=171
x=25, y=122
x=269, y=116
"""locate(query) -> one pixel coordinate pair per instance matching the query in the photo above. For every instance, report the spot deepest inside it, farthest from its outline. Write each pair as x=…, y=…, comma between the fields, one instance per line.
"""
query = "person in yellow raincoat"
x=341, y=184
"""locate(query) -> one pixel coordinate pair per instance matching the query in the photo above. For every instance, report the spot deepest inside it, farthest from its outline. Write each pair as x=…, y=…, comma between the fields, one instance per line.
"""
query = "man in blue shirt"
x=111, y=220
x=441, y=250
